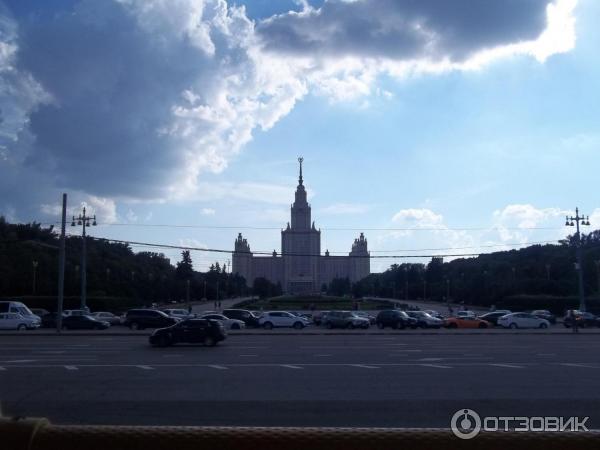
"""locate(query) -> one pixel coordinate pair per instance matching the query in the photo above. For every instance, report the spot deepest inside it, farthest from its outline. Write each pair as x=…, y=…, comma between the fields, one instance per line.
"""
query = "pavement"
x=400, y=380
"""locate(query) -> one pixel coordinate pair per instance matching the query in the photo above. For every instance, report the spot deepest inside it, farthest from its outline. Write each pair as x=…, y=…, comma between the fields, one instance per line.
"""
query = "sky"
x=434, y=127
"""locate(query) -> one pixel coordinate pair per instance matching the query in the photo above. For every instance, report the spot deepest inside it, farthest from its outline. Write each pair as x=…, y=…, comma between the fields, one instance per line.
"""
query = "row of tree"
x=29, y=261
x=546, y=270
x=29, y=267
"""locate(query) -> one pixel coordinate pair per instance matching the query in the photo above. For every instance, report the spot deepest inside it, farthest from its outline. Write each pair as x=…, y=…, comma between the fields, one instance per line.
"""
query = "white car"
x=178, y=313
x=272, y=319
x=522, y=320
x=107, y=317
x=426, y=320
x=16, y=321
x=229, y=324
x=462, y=314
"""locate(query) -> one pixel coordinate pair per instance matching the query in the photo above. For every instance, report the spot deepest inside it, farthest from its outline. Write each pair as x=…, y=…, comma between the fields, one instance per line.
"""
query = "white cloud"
x=215, y=77
x=131, y=216
x=207, y=211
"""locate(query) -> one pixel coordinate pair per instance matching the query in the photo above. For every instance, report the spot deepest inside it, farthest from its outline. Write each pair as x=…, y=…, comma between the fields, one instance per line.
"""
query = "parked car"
x=16, y=321
x=273, y=319
x=318, y=317
x=522, y=320
x=465, y=314
x=192, y=331
x=366, y=315
x=49, y=320
x=545, y=314
x=107, y=317
x=345, y=319
x=76, y=312
x=78, y=322
x=395, y=319
x=304, y=315
x=180, y=313
x=138, y=319
x=466, y=322
x=584, y=319
x=434, y=313
x=425, y=320
x=492, y=317
x=244, y=315
x=40, y=312
x=229, y=324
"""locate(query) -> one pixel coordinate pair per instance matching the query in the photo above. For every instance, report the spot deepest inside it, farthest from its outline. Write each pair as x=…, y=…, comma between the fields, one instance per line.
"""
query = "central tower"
x=301, y=245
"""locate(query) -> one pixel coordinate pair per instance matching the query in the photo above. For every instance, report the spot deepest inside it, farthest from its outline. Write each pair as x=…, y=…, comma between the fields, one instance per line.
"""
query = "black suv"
x=395, y=319
x=193, y=331
x=244, y=315
x=138, y=319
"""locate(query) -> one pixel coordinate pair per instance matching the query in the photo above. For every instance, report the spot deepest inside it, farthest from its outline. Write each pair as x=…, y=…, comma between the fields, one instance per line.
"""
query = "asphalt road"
x=403, y=380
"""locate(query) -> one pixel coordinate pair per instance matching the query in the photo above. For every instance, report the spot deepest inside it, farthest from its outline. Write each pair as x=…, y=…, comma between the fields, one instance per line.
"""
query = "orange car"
x=466, y=322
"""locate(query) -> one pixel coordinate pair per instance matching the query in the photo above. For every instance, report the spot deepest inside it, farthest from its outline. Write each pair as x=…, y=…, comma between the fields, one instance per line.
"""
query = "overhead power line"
x=249, y=227
x=214, y=250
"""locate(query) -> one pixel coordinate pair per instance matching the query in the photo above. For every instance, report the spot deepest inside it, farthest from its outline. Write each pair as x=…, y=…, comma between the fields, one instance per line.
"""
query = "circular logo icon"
x=465, y=424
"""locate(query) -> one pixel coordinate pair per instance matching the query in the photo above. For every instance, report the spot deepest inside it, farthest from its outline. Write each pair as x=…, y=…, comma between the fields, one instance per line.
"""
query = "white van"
x=17, y=307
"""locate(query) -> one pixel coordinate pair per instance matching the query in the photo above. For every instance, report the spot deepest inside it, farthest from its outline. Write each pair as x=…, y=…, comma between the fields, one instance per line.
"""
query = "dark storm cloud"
x=404, y=29
x=113, y=87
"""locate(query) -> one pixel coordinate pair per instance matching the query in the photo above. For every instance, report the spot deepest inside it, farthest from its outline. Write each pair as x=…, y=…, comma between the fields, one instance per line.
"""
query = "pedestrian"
x=450, y=311
x=189, y=309
x=219, y=304
x=215, y=304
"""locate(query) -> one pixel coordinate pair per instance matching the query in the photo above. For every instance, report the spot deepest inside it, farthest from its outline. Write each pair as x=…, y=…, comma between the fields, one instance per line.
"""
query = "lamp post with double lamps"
x=84, y=221
x=571, y=222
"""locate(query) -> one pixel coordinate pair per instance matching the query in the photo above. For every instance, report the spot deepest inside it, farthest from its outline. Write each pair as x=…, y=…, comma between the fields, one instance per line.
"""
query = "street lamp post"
x=35, y=266
x=570, y=222
x=84, y=221
x=597, y=262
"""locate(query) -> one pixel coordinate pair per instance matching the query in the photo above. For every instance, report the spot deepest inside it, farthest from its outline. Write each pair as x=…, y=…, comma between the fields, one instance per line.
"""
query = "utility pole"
x=61, y=265
x=424, y=289
x=204, y=298
x=597, y=262
x=84, y=221
x=572, y=221
x=405, y=284
x=187, y=292
x=35, y=266
x=447, y=289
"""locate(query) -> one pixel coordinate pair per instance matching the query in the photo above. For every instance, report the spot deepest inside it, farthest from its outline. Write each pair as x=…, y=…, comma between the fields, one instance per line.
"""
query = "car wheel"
x=134, y=326
x=543, y=325
x=22, y=327
x=298, y=325
x=329, y=325
x=366, y=326
x=235, y=326
x=268, y=325
x=380, y=326
x=452, y=325
x=513, y=326
x=209, y=341
x=482, y=325
x=350, y=326
x=401, y=325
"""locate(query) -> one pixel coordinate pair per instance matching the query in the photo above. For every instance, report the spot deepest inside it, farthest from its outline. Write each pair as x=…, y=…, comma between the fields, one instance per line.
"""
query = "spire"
x=300, y=161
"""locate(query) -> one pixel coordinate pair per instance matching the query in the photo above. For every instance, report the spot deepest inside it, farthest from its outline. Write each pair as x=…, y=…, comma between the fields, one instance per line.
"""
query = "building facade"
x=301, y=268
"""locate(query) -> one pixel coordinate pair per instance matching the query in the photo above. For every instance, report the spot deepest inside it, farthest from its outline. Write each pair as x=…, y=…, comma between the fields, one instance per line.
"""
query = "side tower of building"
x=360, y=262
x=242, y=259
x=301, y=246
